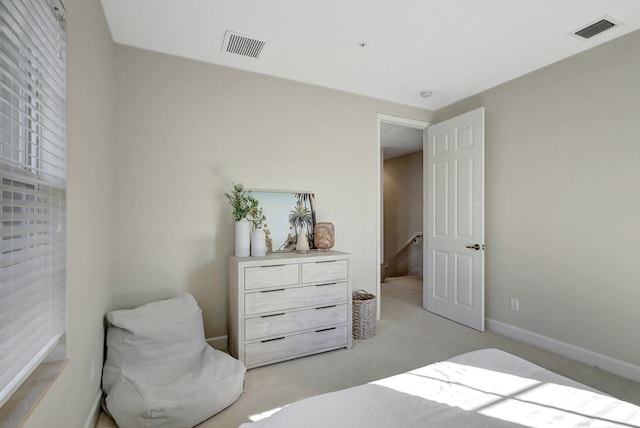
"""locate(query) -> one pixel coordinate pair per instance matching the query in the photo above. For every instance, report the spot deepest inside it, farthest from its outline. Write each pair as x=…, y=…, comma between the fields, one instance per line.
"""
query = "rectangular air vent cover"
x=240, y=44
x=595, y=28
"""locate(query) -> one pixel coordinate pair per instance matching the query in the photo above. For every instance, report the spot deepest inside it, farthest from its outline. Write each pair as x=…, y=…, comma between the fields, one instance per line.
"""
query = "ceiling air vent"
x=595, y=28
x=240, y=44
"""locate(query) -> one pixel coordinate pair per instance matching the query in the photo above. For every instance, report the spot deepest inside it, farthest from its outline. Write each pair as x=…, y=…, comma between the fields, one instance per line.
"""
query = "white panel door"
x=454, y=219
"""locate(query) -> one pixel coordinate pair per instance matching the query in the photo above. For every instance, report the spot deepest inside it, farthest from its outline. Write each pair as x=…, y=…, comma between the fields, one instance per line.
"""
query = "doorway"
x=400, y=139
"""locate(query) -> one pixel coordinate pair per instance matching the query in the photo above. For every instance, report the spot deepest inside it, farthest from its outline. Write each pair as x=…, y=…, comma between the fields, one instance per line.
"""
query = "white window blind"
x=33, y=171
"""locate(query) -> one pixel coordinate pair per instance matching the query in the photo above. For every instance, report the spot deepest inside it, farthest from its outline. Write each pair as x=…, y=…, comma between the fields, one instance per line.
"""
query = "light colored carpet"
x=407, y=337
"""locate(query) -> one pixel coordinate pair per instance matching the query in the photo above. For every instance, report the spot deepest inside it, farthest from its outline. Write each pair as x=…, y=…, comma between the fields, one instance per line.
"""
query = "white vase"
x=243, y=238
x=302, y=244
x=258, y=243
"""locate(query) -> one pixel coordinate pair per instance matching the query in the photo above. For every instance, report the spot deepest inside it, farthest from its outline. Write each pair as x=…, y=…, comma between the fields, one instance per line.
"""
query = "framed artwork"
x=287, y=213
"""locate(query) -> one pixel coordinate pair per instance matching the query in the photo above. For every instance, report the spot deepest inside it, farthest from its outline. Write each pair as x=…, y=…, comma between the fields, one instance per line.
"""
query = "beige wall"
x=403, y=196
x=562, y=204
x=90, y=201
x=187, y=130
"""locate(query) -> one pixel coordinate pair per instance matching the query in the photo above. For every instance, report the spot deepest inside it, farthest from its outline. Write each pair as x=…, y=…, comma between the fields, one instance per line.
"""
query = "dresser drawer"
x=270, y=276
x=330, y=270
x=297, y=345
x=290, y=322
x=282, y=299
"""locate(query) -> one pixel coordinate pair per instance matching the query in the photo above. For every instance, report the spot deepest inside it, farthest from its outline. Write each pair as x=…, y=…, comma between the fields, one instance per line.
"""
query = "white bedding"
x=486, y=388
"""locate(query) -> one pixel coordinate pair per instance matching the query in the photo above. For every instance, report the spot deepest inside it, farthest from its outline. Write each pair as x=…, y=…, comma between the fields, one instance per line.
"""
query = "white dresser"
x=288, y=305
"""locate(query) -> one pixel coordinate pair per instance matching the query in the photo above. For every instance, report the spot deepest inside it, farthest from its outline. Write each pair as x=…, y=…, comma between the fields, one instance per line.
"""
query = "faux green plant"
x=256, y=216
x=241, y=202
x=246, y=206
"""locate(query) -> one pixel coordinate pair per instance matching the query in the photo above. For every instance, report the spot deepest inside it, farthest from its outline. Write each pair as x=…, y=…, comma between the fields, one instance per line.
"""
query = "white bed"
x=485, y=388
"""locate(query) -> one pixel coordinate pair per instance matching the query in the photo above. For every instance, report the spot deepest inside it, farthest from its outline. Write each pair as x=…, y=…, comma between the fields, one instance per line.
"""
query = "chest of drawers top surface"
x=290, y=257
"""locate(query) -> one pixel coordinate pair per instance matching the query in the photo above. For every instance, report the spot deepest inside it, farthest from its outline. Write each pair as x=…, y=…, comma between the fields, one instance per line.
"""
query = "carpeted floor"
x=407, y=337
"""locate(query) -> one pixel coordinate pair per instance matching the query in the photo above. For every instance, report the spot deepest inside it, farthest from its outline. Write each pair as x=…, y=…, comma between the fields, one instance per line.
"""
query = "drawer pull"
x=324, y=285
x=326, y=307
x=326, y=261
x=325, y=329
x=272, y=315
x=272, y=291
x=271, y=266
x=272, y=340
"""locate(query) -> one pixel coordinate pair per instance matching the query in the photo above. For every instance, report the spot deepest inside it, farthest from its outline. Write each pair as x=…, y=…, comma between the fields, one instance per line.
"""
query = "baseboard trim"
x=417, y=272
x=94, y=413
x=618, y=367
x=219, y=342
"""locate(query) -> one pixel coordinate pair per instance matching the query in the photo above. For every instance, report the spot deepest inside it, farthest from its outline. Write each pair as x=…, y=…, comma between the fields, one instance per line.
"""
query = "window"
x=33, y=172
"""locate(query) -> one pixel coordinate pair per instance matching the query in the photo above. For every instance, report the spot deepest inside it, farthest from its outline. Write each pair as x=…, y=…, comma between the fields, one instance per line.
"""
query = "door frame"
x=409, y=123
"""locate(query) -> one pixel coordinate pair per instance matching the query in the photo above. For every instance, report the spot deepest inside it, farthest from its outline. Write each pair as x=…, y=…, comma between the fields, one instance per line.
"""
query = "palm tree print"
x=300, y=218
x=310, y=198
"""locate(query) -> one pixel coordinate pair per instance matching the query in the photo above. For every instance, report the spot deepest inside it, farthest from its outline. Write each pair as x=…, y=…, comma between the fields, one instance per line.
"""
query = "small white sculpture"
x=302, y=244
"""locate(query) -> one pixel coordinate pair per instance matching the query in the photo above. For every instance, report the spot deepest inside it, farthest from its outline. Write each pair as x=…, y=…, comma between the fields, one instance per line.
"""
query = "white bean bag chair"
x=160, y=372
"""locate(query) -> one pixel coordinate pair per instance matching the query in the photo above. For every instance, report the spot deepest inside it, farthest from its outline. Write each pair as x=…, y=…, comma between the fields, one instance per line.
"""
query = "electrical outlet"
x=515, y=305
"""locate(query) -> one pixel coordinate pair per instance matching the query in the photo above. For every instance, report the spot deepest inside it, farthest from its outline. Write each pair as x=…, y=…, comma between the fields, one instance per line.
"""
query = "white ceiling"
x=397, y=140
x=455, y=48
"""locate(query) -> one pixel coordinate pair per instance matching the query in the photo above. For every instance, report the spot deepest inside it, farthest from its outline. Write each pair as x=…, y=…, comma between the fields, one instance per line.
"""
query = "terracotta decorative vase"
x=323, y=236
